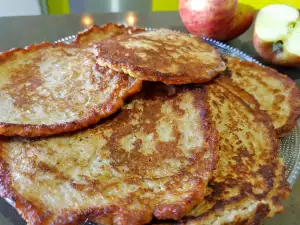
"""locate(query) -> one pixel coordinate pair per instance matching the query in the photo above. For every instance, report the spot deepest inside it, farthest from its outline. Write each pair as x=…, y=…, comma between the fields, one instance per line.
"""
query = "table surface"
x=25, y=30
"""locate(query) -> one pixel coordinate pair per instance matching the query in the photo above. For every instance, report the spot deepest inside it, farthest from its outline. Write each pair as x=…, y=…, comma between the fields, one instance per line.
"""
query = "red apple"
x=222, y=20
x=277, y=35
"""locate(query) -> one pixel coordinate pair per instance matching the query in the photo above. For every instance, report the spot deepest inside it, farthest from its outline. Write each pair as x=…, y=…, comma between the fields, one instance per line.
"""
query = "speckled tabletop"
x=21, y=31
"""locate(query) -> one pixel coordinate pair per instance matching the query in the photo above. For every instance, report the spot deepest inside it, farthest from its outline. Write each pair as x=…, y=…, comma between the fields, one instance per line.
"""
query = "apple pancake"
x=161, y=55
x=276, y=93
x=153, y=158
x=47, y=89
x=95, y=33
x=249, y=179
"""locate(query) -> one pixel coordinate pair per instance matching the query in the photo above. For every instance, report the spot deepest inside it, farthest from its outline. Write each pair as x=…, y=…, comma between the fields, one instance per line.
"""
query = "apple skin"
x=265, y=51
x=221, y=20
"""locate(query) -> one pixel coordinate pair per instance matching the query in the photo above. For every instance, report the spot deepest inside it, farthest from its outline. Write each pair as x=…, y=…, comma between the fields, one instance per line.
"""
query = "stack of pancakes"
x=127, y=126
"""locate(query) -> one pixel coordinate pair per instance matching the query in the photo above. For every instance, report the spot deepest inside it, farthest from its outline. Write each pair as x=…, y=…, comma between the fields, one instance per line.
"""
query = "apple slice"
x=277, y=34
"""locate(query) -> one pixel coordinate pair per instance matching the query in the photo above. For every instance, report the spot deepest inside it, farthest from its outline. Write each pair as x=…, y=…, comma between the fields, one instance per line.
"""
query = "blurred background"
x=48, y=7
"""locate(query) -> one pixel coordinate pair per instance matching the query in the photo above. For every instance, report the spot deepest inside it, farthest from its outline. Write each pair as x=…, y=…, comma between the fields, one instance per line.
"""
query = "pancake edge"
x=42, y=130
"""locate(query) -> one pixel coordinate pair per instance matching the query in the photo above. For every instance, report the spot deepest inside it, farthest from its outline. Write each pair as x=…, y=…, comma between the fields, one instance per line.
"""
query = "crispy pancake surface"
x=161, y=55
x=154, y=158
x=95, y=33
x=49, y=88
x=249, y=178
x=276, y=93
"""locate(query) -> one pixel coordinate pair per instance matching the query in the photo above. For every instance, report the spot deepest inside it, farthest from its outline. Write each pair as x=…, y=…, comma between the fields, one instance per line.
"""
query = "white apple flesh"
x=277, y=35
x=293, y=42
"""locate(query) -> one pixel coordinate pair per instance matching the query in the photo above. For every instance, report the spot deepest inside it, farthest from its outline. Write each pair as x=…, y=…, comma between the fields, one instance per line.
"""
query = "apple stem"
x=277, y=47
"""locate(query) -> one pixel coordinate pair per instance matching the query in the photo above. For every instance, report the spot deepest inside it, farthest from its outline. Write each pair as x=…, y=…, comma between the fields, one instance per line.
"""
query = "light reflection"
x=131, y=19
x=197, y=5
x=87, y=20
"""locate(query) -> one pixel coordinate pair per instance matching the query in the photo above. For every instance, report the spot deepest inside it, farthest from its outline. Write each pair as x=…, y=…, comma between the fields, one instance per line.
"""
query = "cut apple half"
x=293, y=42
x=277, y=34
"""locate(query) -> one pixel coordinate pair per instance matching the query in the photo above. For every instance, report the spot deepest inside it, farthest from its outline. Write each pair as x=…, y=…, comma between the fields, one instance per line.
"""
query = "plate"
x=289, y=145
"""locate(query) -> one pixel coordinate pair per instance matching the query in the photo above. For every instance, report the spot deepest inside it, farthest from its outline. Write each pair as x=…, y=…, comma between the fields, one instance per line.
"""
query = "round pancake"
x=95, y=33
x=275, y=92
x=154, y=158
x=249, y=179
x=47, y=89
x=161, y=55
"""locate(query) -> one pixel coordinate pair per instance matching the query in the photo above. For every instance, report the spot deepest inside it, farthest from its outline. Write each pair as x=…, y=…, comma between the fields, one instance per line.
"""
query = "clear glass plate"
x=289, y=145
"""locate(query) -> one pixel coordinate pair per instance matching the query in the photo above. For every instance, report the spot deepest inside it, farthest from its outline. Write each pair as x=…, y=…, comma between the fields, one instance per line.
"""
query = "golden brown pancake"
x=161, y=55
x=47, y=89
x=276, y=93
x=95, y=33
x=154, y=158
x=249, y=179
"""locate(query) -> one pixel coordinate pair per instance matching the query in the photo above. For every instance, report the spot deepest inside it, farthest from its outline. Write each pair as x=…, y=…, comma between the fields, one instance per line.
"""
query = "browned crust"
x=36, y=215
x=294, y=101
x=280, y=192
x=227, y=83
x=151, y=74
x=9, y=53
x=42, y=130
x=27, y=211
x=248, y=99
x=294, y=97
x=256, y=217
x=210, y=144
x=263, y=117
x=106, y=28
x=283, y=189
x=31, y=212
x=211, y=134
x=260, y=213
